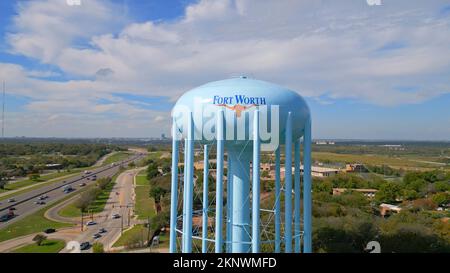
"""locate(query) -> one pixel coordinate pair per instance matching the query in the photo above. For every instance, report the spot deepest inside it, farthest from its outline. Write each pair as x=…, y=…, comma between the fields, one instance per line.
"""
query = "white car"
x=91, y=223
x=115, y=216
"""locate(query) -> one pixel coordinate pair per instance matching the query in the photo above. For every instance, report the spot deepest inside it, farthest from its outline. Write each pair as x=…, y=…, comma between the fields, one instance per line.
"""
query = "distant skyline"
x=114, y=68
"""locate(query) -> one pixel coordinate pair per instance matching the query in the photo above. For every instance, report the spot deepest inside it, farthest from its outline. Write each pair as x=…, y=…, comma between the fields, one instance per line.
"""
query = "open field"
x=409, y=162
x=47, y=246
x=116, y=157
x=145, y=205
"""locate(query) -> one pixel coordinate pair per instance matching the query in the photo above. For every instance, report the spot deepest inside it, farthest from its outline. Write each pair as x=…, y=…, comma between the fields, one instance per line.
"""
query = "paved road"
x=121, y=201
x=25, y=203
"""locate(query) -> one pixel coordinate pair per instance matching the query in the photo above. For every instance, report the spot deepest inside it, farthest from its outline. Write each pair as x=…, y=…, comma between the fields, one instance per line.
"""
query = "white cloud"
x=337, y=48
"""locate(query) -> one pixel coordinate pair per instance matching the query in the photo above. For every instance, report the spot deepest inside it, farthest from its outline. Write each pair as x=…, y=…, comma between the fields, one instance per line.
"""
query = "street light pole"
x=81, y=220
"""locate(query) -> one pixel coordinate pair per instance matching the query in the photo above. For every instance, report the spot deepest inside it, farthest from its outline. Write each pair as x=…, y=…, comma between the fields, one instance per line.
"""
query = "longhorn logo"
x=238, y=108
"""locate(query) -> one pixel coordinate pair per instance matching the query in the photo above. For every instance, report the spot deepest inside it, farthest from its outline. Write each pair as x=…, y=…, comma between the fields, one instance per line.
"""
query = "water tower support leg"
x=297, y=196
x=288, y=186
x=307, y=238
x=205, y=200
x=183, y=236
x=219, y=181
x=190, y=185
x=277, y=201
x=229, y=205
x=174, y=191
x=255, y=185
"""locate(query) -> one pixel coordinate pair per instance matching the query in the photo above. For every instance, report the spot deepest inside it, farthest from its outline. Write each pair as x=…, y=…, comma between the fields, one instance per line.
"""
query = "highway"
x=120, y=202
x=25, y=203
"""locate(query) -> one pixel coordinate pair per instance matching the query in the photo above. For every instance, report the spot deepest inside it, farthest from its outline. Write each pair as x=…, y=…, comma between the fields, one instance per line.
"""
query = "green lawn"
x=119, y=156
x=144, y=204
x=70, y=211
x=137, y=230
x=33, y=223
x=47, y=246
x=372, y=159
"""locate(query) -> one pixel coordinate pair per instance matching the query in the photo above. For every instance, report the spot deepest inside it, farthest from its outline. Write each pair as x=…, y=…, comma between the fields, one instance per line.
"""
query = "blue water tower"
x=240, y=118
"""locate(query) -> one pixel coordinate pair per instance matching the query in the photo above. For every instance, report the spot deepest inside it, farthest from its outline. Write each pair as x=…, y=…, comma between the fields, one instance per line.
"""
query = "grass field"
x=145, y=205
x=405, y=162
x=47, y=246
x=137, y=230
x=35, y=222
x=116, y=157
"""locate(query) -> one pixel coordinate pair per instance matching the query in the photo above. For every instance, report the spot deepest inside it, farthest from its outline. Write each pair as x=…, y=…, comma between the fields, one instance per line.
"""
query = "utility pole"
x=129, y=216
x=81, y=220
x=121, y=227
x=3, y=112
x=148, y=235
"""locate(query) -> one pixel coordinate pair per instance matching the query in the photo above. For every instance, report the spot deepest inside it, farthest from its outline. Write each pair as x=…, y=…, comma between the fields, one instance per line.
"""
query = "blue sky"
x=114, y=68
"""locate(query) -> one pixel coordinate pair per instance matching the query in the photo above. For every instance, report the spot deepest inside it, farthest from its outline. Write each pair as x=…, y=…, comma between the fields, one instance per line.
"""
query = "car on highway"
x=102, y=230
x=40, y=202
x=68, y=189
x=91, y=223
x=85, y=245
x=43, y=197
x=96, y=235
x=82, y=184
x=116, y=216
x=11, y=200
x=6, y=217
x=49, y=230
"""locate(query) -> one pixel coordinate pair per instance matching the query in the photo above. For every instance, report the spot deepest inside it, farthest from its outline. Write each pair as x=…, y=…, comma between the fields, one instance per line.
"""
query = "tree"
x=441, y=198
x=39, y=239
x=152, y=171
x=388, y=193
x=3, y=183
x=85, y=199
x=157, y=192
x=442, y=186
x=98, y=248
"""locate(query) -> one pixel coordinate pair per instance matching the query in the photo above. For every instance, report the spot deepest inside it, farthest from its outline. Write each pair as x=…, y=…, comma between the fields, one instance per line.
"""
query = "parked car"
x=96, y=235
x=85, y=245
x=49, y=230
x=102, y=230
